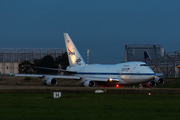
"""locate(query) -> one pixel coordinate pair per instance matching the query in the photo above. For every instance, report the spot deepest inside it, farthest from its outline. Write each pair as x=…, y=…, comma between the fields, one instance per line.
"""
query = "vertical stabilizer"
x=74, y=56
x=146, y=55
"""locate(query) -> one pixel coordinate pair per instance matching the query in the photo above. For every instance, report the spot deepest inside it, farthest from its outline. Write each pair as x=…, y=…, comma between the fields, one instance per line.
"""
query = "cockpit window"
x=143, y=65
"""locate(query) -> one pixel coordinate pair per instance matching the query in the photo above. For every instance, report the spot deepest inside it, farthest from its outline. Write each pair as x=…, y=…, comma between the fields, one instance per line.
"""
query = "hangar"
x=160, y=61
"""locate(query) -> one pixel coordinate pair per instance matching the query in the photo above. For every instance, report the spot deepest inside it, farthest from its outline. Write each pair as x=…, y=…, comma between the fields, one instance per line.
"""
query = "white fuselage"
x=126, y=73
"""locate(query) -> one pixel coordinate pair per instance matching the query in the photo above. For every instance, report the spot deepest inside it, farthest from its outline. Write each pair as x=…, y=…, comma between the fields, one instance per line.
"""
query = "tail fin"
x=146, y=55
x=74, y=56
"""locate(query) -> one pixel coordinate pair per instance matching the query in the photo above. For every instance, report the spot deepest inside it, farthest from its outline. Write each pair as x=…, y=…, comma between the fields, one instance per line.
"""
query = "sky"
x=102, y=26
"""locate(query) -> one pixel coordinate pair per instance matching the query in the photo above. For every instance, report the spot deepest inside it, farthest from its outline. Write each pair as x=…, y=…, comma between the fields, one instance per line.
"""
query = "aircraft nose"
x=152, y=74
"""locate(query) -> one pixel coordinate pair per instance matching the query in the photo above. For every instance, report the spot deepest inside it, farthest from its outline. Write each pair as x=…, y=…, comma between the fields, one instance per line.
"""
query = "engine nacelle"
x=89, y=83
x=50, y=81
x=159, y=81
x=150, y=84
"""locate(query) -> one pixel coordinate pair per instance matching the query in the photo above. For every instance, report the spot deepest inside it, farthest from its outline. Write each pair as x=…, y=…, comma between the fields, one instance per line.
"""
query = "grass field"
x=89, y=106
x=22, y=98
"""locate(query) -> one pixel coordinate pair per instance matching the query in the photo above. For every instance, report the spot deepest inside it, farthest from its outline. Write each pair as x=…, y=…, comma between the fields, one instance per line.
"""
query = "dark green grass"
x=89, y=106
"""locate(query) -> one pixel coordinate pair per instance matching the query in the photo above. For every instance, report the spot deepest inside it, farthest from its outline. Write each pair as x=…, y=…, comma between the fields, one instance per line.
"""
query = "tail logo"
x=70, y=52
x=78, y=60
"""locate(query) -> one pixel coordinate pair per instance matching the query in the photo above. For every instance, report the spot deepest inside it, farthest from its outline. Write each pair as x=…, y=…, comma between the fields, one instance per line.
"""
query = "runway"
x=75, y=89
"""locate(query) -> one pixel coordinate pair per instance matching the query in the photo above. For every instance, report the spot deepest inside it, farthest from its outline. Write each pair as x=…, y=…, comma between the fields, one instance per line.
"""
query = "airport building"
x=160, y=61
x=135, y=52
x=10, y=58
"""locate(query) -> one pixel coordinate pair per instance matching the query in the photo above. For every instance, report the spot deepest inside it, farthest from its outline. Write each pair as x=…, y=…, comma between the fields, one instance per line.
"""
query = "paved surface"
x=25, y=84
x=78, y=88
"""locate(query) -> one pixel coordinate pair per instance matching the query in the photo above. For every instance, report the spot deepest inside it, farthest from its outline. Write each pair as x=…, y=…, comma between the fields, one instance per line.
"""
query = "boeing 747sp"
x=128, y=73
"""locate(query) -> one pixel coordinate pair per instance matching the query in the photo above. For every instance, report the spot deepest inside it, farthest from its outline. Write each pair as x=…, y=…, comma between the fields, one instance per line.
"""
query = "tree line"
x=60, y=62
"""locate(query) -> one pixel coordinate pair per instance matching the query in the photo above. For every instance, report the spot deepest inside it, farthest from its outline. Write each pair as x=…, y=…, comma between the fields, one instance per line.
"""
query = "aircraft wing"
x=159, y=74
x=54, y=69
x=89, y=81
x=70, y=77
x=49, y=76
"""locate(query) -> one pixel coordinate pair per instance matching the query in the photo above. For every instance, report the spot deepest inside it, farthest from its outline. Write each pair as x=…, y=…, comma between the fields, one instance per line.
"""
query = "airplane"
x=92, y=75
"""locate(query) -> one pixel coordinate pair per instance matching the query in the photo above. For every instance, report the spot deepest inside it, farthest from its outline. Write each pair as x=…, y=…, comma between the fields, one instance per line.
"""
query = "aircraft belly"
x=101, y=76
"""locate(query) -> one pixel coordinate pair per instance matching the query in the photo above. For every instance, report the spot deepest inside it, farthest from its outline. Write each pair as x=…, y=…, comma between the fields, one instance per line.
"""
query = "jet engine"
x=50, y=81
x=89, y=83
x=159, y=81
x=150, y=84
